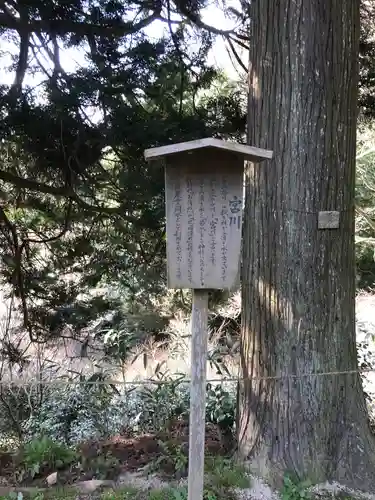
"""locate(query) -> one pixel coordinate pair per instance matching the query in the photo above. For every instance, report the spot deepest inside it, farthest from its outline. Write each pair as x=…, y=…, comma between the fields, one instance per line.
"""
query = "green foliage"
x=126, y=493
x=16, y=496
x=295, y=490
x=365, y=206
x=223, y=476
x=43, y=452
x=173, y=458
x=73, y=413
x=221, y=407
x=103, y=466
x=53, y=494
x=367, y=60
x=227, y=473
x=82, y=213
x=162, y=401
x=168, y=494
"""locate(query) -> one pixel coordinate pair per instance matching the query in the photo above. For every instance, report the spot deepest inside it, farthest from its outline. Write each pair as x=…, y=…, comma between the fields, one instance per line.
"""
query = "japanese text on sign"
x=204, y=221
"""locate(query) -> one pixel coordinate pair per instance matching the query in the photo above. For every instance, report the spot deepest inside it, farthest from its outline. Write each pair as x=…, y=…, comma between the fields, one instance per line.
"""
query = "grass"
x=55, y=494
x=222, y=477
x=121, y=494
x=226, y=473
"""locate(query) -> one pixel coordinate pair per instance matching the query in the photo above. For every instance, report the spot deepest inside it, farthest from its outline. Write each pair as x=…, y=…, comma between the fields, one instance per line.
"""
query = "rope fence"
x=62, y=381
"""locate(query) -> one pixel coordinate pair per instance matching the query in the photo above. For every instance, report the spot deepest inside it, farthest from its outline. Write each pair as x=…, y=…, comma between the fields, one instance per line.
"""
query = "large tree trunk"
x=299, y=281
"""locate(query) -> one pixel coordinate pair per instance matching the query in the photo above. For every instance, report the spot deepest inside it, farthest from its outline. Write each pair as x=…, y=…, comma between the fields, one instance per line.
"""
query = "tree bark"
x=299, y=281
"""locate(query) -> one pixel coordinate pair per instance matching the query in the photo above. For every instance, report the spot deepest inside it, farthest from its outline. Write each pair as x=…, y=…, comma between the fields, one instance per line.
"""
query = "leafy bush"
x=103, y=466
x=223, y=477
x=16, y=406
x=44, y=452
x=169, y=494
x=160, y=402
x=173, y=458
x=366, y=361
x=221, y=406
x=127, y=493
x=295, y=490
x=75, y=413
x=223, y=473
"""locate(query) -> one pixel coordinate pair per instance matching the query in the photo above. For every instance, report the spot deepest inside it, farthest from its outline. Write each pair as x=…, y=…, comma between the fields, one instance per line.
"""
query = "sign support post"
x=204, y=204
x=199, y=347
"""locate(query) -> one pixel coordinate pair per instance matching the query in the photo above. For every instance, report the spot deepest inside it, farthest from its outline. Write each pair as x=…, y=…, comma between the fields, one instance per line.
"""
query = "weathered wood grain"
x=198, y=394
x=204, y=198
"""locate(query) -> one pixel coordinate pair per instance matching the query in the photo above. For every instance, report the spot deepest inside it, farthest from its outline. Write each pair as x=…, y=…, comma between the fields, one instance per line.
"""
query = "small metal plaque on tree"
x=329, y=220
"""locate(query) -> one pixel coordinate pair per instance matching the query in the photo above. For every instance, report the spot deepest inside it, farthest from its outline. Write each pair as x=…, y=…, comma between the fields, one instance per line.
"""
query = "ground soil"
x=121, y=454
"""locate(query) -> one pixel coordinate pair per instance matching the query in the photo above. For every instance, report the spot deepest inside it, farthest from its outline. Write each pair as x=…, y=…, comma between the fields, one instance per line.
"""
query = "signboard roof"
x=247, y=152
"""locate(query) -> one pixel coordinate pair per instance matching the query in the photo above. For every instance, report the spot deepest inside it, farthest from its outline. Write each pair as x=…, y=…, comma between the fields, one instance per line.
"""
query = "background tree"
x=298, y=281
x=365, y=155
x=367, y=59
x=81, y=213
x=80, y=210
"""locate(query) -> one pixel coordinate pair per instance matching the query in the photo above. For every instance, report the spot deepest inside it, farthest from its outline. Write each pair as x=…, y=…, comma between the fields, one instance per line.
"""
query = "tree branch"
x=24, y=35
x=369, y=220
x=32, y=185
x=195, y=19
x=63, y=27
x=62, y=232
x=35, y=51
x=16, y=87
x=68, y=193
x=235, y=53
x=17, y=273
x=239, y=42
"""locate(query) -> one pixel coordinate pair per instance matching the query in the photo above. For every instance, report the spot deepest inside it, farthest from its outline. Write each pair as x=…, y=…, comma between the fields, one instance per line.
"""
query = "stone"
x=93, y=485
x=52, y=479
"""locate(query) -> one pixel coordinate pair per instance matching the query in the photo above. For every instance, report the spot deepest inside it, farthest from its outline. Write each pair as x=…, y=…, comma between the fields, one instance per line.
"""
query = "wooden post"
x=199, y=341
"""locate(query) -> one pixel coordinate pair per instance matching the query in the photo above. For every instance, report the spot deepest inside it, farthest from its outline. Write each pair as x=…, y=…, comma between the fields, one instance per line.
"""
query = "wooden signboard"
x=204, y=220
x=204, y=206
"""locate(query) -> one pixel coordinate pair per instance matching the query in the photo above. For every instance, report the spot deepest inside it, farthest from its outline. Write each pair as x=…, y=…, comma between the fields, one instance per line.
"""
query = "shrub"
x=159, y=403
x=16, y=406
x=44, y=452
x=72, y=414
x=295, y=490
x=75, y=413
x=221, y=406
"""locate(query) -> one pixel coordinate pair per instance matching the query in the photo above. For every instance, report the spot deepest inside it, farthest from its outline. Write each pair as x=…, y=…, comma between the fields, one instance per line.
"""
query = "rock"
x=52, y=479
x=140, y=482
x=93, y=485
